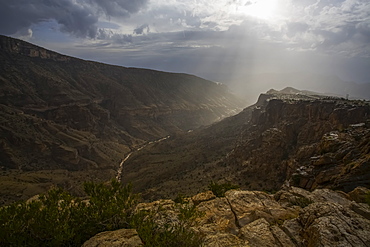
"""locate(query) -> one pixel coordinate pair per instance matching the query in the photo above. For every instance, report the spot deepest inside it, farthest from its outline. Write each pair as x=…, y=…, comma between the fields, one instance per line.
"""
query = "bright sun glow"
x=263, y=9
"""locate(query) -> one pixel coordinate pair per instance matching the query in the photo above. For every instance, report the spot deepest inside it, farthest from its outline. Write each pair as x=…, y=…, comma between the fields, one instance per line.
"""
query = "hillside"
x=62, y=116
x=288, y=137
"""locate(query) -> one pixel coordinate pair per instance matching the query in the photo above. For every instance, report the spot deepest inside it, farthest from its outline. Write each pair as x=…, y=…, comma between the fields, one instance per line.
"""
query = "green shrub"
x=110, y=207
x=367, y=198
x=296, y=179
x=158, y=228
x=180, y=198
x=220, y=189
x=59, y=219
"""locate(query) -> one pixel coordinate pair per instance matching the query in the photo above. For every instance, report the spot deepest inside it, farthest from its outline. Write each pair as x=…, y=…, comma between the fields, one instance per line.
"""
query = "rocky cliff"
x=290, y=217
x=289, y=136
x=312, y=143
x=67, y=114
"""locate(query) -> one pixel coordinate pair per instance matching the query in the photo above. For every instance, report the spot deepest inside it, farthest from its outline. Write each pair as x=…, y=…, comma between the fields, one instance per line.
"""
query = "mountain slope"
x=59, y=112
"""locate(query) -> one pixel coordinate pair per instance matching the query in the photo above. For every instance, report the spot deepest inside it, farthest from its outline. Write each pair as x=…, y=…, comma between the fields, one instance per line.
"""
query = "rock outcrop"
x=309, y=141
x=291, y=217
x=118, y=238
x=313, y=143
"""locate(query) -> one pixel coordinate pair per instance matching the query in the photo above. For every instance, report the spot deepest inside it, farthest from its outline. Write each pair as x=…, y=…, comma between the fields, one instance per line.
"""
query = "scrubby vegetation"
x=60, y=219
x=157, y=228
x=367, y=198
x=220, y=189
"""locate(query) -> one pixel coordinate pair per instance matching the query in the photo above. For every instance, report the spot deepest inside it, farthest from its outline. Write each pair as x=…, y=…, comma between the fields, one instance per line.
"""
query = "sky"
x=240, y=43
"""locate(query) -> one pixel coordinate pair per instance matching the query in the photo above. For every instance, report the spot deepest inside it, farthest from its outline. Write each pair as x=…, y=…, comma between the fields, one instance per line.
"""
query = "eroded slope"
x=60, y=112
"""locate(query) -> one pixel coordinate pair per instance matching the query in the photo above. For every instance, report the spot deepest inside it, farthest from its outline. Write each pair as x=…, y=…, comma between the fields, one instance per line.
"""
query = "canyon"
x=288, y=136
x=65, y=120
x=300, y=159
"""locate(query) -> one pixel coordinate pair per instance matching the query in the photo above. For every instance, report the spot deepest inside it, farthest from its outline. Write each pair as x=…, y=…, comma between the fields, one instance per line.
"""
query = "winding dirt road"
x=120, y=168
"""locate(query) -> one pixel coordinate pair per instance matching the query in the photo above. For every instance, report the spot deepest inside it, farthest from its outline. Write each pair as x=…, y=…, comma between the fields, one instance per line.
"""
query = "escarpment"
x=306, y=140
x=311, y=143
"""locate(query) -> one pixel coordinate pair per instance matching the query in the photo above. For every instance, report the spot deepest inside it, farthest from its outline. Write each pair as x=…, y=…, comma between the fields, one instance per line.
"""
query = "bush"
x=110, y=207
x=367, y=198
x=59, y=219
x=180, y=198
x=158, y=228
x=220, y=189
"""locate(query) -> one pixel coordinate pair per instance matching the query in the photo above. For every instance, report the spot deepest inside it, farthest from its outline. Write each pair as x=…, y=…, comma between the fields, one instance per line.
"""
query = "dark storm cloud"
x=112, y=38
x=75, y=19
x=142, y=29
x=119, y=8
x=79, y=17
x=121, y=38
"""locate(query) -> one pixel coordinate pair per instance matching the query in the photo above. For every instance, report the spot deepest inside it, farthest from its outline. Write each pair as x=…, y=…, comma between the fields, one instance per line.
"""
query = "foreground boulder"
x=332, y=224
x=290, y=217
x=119, y=238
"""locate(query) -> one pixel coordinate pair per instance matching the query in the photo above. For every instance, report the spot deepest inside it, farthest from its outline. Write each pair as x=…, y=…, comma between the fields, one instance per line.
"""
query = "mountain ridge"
x=60, y=112
x=251, y=85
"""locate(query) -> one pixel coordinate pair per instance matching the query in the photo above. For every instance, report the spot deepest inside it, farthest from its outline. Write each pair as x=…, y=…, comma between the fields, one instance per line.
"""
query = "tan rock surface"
x=258, y=233
x=224, y=239
x=202, y=197
x=331, y=224
x=291, y=217
x=119, y=238
x=249, y=206
x=218, y=217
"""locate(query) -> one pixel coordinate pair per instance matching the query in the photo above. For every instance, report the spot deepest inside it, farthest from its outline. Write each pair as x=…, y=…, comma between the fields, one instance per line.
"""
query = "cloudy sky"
x=223, y=40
